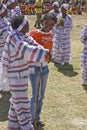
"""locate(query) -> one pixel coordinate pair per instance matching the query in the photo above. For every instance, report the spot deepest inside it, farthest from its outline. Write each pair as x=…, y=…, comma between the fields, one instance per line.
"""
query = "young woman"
x=20, y=49
x=43, y=37
x=61, y=52
x=84, y=56
x=5, y=29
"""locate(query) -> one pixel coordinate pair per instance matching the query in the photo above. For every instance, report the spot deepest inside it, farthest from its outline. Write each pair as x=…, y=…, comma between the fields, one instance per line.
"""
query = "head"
x=48, y=22
x=64, y=8
x=4, y=1
x=3, y=11
x=55, y=6
x=11, y=4
x=20, y=23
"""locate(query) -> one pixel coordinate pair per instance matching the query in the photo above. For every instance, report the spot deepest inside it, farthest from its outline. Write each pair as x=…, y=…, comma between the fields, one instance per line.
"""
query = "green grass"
x=65, y=103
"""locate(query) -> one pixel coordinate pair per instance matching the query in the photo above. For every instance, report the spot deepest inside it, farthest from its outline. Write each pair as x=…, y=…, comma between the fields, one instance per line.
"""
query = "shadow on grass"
x=85, y=87
x=66, y=69
x=39, y=128
x=4, y=105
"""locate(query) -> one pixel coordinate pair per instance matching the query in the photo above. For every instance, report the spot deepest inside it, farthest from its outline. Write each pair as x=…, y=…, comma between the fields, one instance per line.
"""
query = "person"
x=44, y=37
x=83, y=60
x=55, y=9
x=5, y=29
x=20, y=49
x=38, y=10
x=61, y=52
x=13, y=9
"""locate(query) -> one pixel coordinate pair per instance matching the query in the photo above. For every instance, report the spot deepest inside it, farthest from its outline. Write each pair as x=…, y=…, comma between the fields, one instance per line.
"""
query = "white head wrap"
x=25, y=20
x=2, y=10
x=65, y=6
x=56, y=4
x=10, y=2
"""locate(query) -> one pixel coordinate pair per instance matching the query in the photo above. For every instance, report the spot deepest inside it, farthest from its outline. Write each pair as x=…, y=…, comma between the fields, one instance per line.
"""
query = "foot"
x=40, y=124
x=35, y=25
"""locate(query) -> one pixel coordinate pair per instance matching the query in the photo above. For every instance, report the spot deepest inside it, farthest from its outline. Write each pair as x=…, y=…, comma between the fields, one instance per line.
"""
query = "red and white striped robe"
x=19, y=51
x=5, y=29
x=61, y=51
x=83, y=61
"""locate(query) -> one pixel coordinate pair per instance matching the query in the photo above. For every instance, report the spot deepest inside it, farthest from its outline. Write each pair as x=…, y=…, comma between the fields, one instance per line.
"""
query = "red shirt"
x=42, y=38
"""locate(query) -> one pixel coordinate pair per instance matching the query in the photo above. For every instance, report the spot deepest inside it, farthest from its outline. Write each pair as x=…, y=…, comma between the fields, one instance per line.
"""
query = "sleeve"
x=35, y=52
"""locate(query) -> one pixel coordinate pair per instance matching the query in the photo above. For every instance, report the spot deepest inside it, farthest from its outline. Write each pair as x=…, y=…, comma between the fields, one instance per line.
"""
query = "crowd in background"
x=75, y=6
x=25, y=55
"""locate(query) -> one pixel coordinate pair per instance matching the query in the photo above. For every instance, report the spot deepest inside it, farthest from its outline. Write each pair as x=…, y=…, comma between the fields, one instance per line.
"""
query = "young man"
x=38, y=9
x=43, y=37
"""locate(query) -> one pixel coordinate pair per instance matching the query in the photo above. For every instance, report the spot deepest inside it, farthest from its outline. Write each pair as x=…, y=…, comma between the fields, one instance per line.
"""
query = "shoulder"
x=34, y=32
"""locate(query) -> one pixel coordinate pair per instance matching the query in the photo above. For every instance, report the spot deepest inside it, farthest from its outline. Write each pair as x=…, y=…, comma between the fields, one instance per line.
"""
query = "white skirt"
x=3, y=81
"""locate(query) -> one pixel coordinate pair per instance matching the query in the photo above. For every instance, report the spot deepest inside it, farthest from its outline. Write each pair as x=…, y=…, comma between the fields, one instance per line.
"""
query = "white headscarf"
x=55, y=4
x=9, y=2
x=65, y=6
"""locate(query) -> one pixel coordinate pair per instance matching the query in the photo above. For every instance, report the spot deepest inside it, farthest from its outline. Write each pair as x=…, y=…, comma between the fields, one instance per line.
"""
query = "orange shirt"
x=42, y=38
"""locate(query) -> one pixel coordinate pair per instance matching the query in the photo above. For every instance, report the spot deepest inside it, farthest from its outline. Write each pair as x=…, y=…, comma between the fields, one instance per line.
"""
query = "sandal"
x=40, y=124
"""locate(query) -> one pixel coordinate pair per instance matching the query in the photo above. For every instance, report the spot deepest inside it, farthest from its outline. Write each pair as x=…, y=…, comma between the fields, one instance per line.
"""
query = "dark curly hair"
x=49, y=16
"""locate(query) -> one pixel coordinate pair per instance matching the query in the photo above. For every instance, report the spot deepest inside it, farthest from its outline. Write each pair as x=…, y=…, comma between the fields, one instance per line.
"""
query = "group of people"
x=25, y=56
x=21, y=59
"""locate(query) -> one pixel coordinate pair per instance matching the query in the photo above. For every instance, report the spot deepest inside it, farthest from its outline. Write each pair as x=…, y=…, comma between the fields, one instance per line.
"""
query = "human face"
x=48, y=25
x=64, y=11
x=55, y=8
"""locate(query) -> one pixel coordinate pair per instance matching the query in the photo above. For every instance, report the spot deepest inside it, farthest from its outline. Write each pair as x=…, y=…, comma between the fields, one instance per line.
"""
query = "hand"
x=48, y=57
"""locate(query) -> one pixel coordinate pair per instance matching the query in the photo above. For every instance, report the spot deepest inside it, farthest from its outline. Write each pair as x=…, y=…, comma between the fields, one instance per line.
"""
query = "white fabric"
x=10, y=2
x=65, y=6
x=56, y=4
x=2, y=10
x=3, y=80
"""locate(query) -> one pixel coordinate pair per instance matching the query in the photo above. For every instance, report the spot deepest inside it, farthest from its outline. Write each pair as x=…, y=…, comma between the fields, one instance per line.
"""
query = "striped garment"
x=19, y=51
x=13, y=12
x=4, y=32
x=61, y=51
x=83, y=60
x=5, y=29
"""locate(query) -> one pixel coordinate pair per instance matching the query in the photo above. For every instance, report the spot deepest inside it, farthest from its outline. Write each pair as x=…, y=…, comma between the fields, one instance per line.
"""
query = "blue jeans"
x=34, y=79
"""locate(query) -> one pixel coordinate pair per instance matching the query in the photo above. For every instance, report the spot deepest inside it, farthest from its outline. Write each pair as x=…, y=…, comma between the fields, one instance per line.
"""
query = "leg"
x=20, y=102
x=38, y=20
x=84, y=76
x=45, y=72
x=34, y=79
x=12, y=119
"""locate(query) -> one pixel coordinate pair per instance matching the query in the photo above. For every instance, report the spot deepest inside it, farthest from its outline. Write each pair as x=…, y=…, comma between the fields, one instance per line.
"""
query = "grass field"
x=65, y=103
